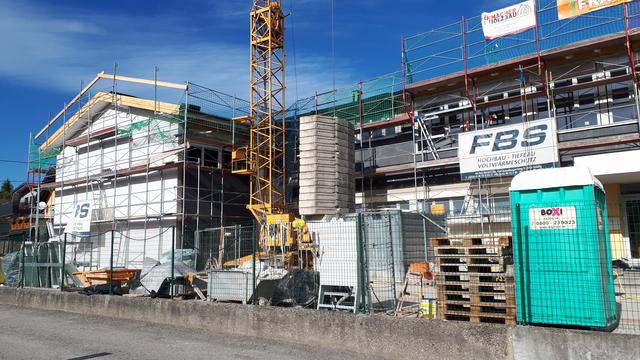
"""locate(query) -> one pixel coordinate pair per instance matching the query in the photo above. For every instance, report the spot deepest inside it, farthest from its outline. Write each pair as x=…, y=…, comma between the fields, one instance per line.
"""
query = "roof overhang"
x=97, y=104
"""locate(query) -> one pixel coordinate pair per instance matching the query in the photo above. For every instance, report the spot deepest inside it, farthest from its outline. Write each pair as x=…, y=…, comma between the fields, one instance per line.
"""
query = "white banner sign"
x=553, y=218
x=510, y=20
x=508, y=150
x=80, y=225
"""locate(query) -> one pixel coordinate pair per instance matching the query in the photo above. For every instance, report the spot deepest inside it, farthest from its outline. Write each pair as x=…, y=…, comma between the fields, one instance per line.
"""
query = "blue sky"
x=49, y=48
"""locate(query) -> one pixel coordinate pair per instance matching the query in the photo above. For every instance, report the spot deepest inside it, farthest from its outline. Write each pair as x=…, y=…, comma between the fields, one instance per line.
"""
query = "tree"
x=6, y=190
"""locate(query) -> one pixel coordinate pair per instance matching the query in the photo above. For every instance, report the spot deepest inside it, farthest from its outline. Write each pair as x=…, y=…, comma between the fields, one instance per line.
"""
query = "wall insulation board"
x=131, y=245
x=134, y=197
x=338, y=263
x=327, y=166
x=140, y=138
x=394, y=239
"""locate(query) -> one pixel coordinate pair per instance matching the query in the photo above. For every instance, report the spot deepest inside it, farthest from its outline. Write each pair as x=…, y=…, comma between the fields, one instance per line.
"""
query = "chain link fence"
x=541, y=263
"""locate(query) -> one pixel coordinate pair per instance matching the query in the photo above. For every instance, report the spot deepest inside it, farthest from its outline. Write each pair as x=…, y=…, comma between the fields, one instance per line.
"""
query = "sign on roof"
x=510, y=20
x=571, y=8
x=508, y=150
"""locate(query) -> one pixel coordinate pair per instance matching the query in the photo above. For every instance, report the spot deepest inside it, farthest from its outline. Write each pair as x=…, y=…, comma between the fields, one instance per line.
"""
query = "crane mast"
x=268, y=110
x=263, y=159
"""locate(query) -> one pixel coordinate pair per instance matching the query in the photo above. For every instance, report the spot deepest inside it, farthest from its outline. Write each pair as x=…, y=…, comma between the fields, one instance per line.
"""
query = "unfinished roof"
x=102, y=75
x=98, y=103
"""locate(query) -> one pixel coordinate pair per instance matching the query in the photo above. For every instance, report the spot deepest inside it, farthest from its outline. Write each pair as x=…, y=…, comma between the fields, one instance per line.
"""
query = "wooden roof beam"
x=67, y=106
x=165, y=84
x=103, y=75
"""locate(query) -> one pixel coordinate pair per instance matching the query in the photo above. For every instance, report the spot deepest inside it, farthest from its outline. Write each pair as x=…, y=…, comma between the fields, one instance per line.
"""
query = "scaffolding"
x=152, y=165
x=453, y=80
x=460, y=46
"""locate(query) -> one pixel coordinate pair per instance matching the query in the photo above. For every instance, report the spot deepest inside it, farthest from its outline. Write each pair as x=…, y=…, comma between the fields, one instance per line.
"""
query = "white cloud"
x=56, y=50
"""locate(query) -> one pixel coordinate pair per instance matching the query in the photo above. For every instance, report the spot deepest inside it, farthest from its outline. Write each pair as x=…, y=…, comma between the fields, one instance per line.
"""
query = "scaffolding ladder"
x=425, y=135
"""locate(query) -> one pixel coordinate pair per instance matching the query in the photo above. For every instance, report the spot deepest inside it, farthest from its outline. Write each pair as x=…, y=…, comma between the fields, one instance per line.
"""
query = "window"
x=194, y=155
x=211, y=158
x=226, y=158
x=204, y=157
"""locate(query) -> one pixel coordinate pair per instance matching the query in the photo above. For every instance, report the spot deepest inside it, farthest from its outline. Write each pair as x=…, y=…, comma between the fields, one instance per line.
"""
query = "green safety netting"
x=155, y=126
x=41, y=160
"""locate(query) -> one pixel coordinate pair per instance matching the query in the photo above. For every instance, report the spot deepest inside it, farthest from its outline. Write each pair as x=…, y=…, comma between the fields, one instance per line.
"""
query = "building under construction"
x=164, y=167
x=580, y=73
x=155, y=172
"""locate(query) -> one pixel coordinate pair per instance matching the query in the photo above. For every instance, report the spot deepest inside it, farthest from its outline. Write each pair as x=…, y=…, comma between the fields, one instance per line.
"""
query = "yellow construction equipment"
x=264, y=158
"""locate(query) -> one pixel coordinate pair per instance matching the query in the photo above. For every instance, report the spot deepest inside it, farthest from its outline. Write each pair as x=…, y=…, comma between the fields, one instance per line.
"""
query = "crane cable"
x=333, y=44
x=293, y=46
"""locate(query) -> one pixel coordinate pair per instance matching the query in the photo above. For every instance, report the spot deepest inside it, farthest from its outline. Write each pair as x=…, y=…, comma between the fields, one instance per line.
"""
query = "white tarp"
x=509, y=20
x=508, y=150
x=80, y=224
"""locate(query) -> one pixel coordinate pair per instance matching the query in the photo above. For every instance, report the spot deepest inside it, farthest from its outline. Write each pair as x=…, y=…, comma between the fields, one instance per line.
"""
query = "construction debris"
x=153, y=279
x=122, y=277
x=298, y=287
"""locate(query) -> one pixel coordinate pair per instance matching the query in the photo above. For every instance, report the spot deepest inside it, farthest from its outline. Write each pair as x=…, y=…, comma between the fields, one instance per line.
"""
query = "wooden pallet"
x=474, y=278
x=503, y=241
x=469, y=288
x=504, y=313
x=451, y=268
x=496, y=299
x=495, y=319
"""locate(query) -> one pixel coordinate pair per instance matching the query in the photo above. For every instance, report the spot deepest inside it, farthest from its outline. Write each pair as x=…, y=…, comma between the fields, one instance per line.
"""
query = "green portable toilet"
x=562, y=254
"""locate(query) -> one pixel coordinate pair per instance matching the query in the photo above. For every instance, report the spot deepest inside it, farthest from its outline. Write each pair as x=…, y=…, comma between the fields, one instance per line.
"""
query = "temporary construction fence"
x=363, y=259
x=359, y=263
x=69, y=261
x=222, y=247
x=567, y=267
x=570, y=263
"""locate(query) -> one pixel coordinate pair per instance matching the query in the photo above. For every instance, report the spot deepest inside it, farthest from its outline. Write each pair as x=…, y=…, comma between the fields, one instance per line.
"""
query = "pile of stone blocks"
x=327, y=166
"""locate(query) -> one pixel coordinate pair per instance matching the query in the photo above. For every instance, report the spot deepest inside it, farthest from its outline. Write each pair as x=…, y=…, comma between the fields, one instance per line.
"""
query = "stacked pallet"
x=474, y=278
x=327, y=170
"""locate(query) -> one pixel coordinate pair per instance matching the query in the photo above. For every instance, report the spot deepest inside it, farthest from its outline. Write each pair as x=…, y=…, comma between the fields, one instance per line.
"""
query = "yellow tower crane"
x=264, y=158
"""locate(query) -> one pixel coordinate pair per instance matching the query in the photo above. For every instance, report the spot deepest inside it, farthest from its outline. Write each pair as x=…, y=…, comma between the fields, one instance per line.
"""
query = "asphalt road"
x=38, y=334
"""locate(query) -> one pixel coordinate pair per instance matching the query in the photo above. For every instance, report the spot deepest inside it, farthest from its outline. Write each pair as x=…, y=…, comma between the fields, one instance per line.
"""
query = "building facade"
x=576, y=77
x=154, y=173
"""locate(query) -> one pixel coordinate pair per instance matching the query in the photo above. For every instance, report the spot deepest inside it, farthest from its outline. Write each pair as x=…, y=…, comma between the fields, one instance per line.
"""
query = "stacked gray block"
x=327, y=166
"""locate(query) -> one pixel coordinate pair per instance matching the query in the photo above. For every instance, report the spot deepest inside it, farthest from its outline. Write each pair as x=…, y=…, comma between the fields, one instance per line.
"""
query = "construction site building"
x=154, y=171
x=579, y=74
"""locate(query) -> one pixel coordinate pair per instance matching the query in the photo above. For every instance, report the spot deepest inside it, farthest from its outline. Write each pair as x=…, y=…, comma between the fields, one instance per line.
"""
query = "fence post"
x=111, y=264
x=62, y=260
x=425, y=241
x=361, y=271
x=523, y=296
x=393, y=260
x=23, y=253
x=253, y=251
x=173, y=260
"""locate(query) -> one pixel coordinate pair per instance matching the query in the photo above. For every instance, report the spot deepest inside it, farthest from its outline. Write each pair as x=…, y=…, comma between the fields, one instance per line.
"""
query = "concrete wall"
x=397, y=338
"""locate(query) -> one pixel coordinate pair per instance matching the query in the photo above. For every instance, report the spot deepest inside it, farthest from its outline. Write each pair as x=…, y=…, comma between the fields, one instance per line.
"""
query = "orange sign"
x=437, y=209
x=571, y=8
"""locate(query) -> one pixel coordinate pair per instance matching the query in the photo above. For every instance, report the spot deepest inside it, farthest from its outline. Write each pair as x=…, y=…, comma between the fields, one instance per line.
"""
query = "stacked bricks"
x=327, y=166
x=474, y=278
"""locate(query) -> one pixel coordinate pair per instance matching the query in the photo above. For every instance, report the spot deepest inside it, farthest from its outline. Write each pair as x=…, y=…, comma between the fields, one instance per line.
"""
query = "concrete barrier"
x=374, y=335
